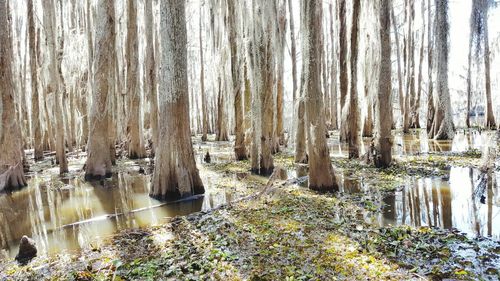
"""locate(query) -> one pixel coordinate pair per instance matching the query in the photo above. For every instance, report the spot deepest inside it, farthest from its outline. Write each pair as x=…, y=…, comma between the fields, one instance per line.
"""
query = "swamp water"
x=78, y=214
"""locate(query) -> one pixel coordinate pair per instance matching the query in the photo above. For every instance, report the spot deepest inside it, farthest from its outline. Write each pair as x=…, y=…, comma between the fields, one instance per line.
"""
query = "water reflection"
x=72, y=218
x=462, y=202
x=417, y=142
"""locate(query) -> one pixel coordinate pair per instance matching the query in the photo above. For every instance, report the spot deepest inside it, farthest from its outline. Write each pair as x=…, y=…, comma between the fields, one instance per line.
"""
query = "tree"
x=98, y=163
x=479, y=37
x=136, y=147
x=239, y=144
x=56, y=84
x=263, y=68
x=11, y=150
x=343, y=68
x=35, y=102
x=442, y=126
x=321, y=176
x=150, y=71
x=383, y=101
x=175, y=174
x=333, y=74
x=204, y=112
x=353, y=110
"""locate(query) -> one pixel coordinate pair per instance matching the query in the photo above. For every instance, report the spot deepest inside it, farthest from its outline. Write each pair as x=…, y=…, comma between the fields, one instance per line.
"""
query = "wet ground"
x=72, y=214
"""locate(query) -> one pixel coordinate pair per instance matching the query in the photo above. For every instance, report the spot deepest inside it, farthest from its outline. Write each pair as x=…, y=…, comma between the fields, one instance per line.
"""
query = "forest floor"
x=286, y=233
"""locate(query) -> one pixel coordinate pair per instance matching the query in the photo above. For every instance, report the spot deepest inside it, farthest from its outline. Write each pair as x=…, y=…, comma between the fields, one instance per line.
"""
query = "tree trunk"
x=35, y=103
x=11, y=151
x=150, y=71
x=300, y=136
x=431, y=28
x=281, y=34
x=442, y=127
x=98, y=163
x=490, y=118
x=383, y=101
x=221, y=131
x=293, y=50
x=204, y=104
x=469, y=82
x=398, y=61
x=175, y=174
x=55, y=85
x=239, y=145
x=136, y=147
x=321, y=176
x=353, y=110
x=415, y=117
x=333, y=75
x=344, y=79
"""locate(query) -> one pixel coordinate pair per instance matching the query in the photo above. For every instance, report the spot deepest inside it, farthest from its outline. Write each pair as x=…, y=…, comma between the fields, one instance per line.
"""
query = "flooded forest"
x=249, y=140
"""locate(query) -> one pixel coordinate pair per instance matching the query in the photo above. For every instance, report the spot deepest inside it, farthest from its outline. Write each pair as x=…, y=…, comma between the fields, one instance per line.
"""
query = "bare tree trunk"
x=383, y=101
x=204, y=104
x=136, y=147
x=239, y=145
x=333, y=75
x=431, y=28
x=293, y=51
x=175, y=174
x=469, y=83
x=281, y=34
x=11, y=151
x=442, y=127
x=35, y=103
x=98, y=163
x=221, y=130
x=55, y=85
x=490, y=118
x=321, y=175
x=150, y=71
x=353, y=108
x=398, y=58
x=410, y=68
x=415, y=118
x=300, y=137
x=344, y=79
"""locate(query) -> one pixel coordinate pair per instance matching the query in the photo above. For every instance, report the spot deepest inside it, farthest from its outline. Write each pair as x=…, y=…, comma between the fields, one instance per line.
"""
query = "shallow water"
x=454, y=203
x=79, y=214
x=74, y=214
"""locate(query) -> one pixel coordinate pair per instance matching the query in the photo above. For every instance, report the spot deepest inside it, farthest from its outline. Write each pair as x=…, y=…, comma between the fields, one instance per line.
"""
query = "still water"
x=76, y=214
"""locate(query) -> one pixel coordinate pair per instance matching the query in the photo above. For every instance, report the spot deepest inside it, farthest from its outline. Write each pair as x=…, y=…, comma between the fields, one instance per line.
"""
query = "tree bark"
x=415, y=117
x=398, y=61
x=490, y=118
x=11, y=151
x=204, y=104
x=98, y=163
x=344, y=79
x=442, y=127
x=150, y=72
x=431, y=29
x=175, y=174
x=353, y=110
x=35, y=103
x=321, y=176
x=239, y=145
x=221, y=130
x=136, y=147
x=293, y=50
x=55, y=85
x=383, y=101
x=281, y=34
x=333, y=75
